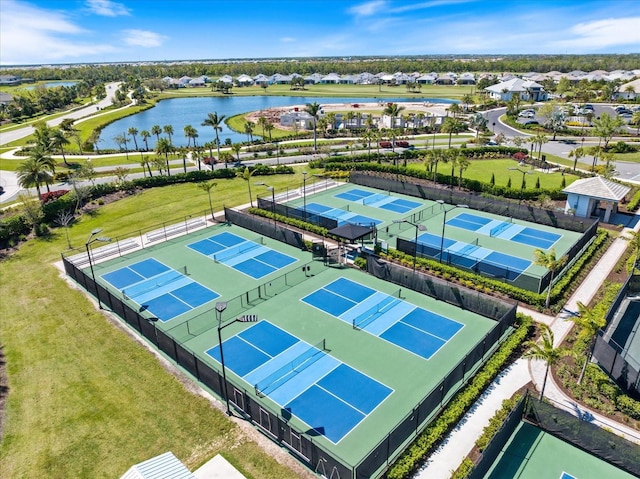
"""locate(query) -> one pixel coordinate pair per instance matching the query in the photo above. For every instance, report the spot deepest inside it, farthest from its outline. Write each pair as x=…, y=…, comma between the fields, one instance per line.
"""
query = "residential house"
x=628, y=91
x=467, y=79
x=244, y=80
x=527, y=90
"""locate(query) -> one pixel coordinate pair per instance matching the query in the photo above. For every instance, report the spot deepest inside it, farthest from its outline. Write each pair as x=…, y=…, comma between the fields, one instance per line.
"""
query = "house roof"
x=351, y=232
x=598, y=187
x=635, y=84
x=164, y=466
x=513, y=85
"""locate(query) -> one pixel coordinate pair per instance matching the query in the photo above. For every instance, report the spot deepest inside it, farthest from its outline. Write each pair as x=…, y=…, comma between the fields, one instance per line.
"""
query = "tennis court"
x=329, y=396
x=250, y=257
x=340, y=215
x=378, y=200
x=507, y=230
x=532, y=453
x=472, y=256
x=414, y=329
x=159, y=289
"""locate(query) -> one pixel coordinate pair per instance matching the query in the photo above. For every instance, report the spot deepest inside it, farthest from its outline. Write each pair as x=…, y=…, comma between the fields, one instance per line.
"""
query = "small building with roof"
x=585, y=197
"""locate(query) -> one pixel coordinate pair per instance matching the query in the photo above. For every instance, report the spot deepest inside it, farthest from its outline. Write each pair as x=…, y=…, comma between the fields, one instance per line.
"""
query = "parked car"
x=402, y=143
x=527, y=114
x=385, y=144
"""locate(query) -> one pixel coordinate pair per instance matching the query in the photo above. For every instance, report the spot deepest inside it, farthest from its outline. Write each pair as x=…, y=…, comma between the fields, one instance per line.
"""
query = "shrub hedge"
x=425, y=443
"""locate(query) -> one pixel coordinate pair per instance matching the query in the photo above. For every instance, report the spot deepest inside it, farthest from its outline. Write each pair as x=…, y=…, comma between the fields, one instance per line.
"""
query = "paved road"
x=9, y=136
x=625, y=171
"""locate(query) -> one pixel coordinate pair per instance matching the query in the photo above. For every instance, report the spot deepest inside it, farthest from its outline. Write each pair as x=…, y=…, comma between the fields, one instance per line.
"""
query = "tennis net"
x=232, y=251
x=367, y=200
x=370, y=315
x=283, y=374
x=154, y=283
x=496, y=230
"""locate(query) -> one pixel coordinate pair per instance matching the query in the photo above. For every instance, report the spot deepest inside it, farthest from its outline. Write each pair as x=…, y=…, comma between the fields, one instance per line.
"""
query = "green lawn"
x=85, y=399
x=482, y=170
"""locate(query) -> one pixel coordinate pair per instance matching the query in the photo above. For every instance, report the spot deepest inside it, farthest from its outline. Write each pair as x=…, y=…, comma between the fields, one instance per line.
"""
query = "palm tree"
x=478, y=122
x=262, y=121
x=168, y=130
x=393, y=110
x=463, y=164
x=164, y=147
x=189, y=133
x=208, y=186
x=236, y=148
x=451, y=126
x=214, y=121
x=635, y=120
x=549, y=261
x=540, y=139
x=145, y=163
x=246, y=176
x=589, y=322
x=576, y=154
x=248, y=129
x=145, y=137
x=313, y=109
x=156, y=130
x=133, y=131
x=36, y=169
x=543, y=351
x=58, y=140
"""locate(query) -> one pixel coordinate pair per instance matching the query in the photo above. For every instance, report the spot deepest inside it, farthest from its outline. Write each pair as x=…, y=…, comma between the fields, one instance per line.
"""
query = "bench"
x=175, y=229
x=107, y=251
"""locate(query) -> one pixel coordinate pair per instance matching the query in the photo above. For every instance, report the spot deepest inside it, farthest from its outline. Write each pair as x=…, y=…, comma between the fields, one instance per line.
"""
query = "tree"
x=145, y=163
x=606, y=126
x=634, y=242
x=539, y=140
x=144, y=134
x=313, y=109
x=164, y=147
x=452, y=126
x=463, y=164
x=594, y=151
x=64, y=219
x=478, y=122
x=589, y=322
x=208, y=186
x=246, y=176
x=543, y=351
x=576, y=154
x=190, y=133
x=58, y=140
x=33, y=172
x=214, y=121
x=248, y=129
x=635, y=120
x=236, y=148
x=393, y=110
x=550, y=262
x=133, y=132
x=156, y=130
x=122, y=140
x=168, y=130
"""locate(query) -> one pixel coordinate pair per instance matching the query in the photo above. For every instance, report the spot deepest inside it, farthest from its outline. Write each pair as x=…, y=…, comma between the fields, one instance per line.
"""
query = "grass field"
x=85, y=400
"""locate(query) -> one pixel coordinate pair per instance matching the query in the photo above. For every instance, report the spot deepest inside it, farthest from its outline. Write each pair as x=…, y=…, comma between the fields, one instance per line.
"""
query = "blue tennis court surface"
x=415, y=329
x=159, y=289
x=377, y=200
x=566, y=475
x=505, y=230
x=471, y=256
x=340, y=215
x=249, y=257
x=328, y=395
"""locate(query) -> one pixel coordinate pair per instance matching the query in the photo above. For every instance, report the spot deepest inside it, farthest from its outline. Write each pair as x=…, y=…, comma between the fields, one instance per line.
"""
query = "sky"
x=89, y=31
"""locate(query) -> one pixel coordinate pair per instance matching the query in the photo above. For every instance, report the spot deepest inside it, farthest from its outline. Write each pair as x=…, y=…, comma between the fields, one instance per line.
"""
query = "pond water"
x=53, y=84
x=179, y=112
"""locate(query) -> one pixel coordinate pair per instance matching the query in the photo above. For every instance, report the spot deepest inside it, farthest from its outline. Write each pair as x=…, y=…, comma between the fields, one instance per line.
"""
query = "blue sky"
x=77, y=31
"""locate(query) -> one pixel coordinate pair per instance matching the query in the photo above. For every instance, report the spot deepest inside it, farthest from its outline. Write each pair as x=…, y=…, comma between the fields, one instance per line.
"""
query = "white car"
x=527, y=114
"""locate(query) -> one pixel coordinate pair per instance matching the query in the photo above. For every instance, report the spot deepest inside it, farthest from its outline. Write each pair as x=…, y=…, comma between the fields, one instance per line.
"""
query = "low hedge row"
x=417, y=452
x=635, y=202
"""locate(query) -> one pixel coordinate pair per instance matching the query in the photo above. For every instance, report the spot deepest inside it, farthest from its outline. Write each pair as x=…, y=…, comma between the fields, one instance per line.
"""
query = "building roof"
x=164, y=466
x=598, y=187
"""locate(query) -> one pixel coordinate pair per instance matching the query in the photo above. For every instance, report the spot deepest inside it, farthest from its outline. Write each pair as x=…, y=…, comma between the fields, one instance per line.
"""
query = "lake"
x=53, y=84
x=179, y=112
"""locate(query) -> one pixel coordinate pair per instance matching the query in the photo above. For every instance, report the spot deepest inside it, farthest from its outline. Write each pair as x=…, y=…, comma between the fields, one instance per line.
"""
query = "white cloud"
x=143, y=38
x=431, y=4
x=602, y=33
x=369, y=8
x=107, y=8
x=31, y=35
x=288, y=40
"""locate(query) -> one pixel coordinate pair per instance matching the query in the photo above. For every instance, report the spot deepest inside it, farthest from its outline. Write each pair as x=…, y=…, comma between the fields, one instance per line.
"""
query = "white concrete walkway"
x=461, y=440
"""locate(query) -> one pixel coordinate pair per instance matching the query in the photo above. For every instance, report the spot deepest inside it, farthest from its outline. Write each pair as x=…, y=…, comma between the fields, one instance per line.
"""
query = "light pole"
x=524, y=172
x=304, y=194
x=418, y=227
x=273, y=201
x=250, y=318
x=443, y=205
x=92, y=239
x=277, y=154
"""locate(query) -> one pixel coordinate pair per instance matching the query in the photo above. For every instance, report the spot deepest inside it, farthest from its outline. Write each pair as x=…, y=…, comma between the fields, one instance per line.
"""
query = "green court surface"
x=382, y=358
x=509, y=240
x=532, y=453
